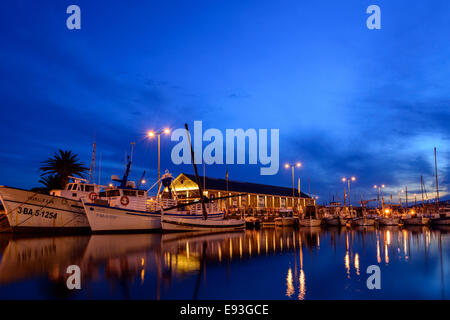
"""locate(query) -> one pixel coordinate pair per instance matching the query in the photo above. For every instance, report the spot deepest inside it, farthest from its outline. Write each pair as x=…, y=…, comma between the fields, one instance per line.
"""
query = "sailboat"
x=442, y=215
x=185, y=223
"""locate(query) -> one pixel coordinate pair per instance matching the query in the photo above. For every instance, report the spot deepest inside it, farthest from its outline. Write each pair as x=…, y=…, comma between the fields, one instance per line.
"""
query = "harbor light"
x=286, y=166
x=166, y=131
x=344, y=179
x=151, y=134
x=298, y=164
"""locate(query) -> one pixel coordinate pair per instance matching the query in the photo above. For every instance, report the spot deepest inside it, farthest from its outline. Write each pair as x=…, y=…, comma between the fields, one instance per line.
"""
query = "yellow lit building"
x=257, y=196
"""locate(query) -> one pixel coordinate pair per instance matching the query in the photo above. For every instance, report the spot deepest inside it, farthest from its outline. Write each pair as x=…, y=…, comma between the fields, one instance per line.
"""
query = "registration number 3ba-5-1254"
x=37, y=213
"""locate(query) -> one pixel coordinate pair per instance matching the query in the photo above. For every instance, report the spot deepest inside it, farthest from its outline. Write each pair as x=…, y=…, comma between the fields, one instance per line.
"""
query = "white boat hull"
x=104, y=218
x=310, y=222
x=31, y=211
x=188, y=224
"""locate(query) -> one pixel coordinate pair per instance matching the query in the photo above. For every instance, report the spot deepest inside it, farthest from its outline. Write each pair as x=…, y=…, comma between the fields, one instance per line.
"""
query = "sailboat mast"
x=421, y=189
x=436, y=173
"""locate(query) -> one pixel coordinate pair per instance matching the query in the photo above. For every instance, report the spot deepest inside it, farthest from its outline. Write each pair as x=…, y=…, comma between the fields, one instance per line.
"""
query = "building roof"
x=245, y=187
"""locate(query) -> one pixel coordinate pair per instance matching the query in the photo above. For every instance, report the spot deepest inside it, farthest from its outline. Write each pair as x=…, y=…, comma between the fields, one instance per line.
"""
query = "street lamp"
x=353, y=179
x=151, y=134
x=380, y=194
x=287, y=166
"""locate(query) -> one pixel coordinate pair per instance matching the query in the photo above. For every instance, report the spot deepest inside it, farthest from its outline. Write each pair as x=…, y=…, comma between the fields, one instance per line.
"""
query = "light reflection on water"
x=272, y=263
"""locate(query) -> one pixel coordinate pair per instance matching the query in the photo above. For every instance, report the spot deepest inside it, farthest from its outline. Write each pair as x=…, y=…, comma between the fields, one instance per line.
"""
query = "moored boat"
x=310, y=222
x=363, y=221
x=285, y=218
x=389, y=221
x=415, y=221
x=441, y=218
x=62, y=210
x=184, y=223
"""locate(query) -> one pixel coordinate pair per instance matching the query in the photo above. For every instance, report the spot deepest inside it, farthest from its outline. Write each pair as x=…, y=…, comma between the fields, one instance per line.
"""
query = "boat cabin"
x=78, y=189
x=125, y=198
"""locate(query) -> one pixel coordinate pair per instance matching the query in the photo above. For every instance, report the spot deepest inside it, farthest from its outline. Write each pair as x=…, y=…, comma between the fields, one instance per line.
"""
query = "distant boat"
x=309, y=222
x=285, y=218
x=363, y=221
x=335, y=221
x=389, y=221
x=443, y=218
x=415, y=220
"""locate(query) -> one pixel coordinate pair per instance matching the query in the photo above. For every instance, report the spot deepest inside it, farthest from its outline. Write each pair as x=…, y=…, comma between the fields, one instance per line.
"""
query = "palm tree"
x=51, y=182
x=61, y=166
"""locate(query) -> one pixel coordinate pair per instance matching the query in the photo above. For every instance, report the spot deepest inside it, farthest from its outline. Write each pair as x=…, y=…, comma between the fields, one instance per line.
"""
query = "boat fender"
x=124, y=200
x=93, y=196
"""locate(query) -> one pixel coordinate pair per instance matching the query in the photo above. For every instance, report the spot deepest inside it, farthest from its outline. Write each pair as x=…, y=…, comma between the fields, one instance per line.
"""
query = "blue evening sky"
x=347, y=100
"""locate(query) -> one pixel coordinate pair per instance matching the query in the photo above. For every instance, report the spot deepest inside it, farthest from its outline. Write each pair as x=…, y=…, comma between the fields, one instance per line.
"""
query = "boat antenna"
x=200, y=189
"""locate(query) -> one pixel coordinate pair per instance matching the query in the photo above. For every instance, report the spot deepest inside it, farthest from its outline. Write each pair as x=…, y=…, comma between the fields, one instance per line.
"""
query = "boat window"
x=89, y=188
x=69, y=187
x=141, y=192
x=130, y=193
x=75, y=187
x=82, y=187
x=102, y=194
x=112, y=193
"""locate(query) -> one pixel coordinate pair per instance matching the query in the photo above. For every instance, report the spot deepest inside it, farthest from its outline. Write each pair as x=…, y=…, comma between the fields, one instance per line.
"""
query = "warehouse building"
x=257, y=196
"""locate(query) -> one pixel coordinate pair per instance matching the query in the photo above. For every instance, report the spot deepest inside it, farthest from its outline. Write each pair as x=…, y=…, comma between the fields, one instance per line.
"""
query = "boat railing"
x=210, y=207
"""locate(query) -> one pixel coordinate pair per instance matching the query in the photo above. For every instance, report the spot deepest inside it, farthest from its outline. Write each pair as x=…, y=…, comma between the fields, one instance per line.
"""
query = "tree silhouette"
x=59, y=167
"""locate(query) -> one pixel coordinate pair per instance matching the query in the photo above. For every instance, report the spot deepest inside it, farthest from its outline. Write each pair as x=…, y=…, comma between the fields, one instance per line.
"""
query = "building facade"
x=248, y=196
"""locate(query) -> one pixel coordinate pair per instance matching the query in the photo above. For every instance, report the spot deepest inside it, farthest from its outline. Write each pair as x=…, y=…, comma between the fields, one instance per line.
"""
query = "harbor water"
x=270, y=263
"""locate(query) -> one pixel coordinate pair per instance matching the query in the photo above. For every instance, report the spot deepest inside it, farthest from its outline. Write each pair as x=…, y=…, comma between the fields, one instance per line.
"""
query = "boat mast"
x=421, y=189
x=92, y=168
x=200, y=189
x=436, y=173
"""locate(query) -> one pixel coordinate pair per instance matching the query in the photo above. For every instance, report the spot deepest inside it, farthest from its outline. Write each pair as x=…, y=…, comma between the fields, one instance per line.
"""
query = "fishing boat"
x=285, y=218
x=442, y=218
x=363, y=221
x=309, y=222
x=310, y=218
x=61, y=210
x=389, y=221
x=184, y=223
x=415, y=219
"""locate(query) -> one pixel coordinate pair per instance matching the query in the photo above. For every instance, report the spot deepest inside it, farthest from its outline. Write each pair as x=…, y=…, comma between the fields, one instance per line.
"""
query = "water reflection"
x=271, y=263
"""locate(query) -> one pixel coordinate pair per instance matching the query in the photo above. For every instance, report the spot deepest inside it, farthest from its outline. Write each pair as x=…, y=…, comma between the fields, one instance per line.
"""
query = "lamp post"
x=287, y=166
x=380, y=194
x=151, y=134
x=344, y=179
x=348, y=181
